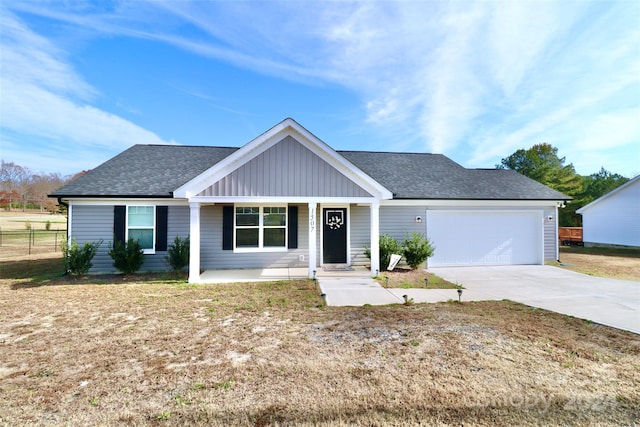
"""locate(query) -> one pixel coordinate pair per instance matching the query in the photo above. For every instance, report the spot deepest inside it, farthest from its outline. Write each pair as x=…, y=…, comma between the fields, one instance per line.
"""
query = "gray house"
x=287, y=199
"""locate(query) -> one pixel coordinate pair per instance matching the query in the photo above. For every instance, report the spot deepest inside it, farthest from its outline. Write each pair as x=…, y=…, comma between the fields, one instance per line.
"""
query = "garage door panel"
x=485, y=237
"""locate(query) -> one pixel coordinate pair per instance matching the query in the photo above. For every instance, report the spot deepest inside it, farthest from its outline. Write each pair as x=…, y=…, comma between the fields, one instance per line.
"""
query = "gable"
x=624, y=197
x=288, y=168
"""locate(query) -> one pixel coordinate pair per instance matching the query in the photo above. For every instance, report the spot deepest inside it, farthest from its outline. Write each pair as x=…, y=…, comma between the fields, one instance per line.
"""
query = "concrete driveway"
x=606, y=301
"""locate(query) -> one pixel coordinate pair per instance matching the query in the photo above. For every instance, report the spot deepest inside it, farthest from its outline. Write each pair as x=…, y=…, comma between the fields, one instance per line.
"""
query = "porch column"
x=312, y=239
x=194, y=239
x=375, y=238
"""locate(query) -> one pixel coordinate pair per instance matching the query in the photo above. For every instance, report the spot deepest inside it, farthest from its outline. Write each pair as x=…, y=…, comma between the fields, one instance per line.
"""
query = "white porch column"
x=375, y=238
x=312, y=239
x=194, y=239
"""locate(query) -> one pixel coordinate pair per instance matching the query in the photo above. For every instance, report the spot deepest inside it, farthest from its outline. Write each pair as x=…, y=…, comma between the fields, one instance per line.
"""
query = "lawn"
x=617, y=263
x=114, y=350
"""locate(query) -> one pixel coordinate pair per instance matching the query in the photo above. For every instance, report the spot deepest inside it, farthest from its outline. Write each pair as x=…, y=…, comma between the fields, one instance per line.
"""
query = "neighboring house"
x=287, y=199
x=613, y=219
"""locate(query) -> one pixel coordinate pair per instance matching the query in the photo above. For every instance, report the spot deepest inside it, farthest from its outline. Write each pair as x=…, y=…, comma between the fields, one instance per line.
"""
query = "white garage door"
x=485, y=237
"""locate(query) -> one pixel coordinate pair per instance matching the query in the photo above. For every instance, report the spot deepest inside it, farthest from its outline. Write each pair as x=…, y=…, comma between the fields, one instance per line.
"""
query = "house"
x=613, y=219
x=287, y=199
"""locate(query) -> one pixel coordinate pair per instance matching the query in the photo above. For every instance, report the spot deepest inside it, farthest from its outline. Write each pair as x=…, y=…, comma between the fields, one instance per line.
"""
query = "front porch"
x=271, y=274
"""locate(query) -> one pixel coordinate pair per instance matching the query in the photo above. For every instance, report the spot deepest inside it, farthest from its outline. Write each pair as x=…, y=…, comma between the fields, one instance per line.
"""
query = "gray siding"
x=286, y=169
x=213, y=257
x=95, y=223
x=360, y=229
x=400, y=220
x=92, y=224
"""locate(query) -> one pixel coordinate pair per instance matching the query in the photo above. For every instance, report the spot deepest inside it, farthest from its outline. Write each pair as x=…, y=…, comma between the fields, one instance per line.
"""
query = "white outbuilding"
x=613, y=219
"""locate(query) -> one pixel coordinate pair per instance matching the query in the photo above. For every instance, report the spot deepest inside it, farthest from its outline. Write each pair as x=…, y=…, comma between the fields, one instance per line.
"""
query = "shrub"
x=388, y=246
x=127, y=257
x=178, y=253
x=417, y=249
x=27, y=225
x=77, y=260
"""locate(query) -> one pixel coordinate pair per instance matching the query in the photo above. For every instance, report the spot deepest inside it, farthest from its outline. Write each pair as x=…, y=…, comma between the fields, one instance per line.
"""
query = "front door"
x=334, y=247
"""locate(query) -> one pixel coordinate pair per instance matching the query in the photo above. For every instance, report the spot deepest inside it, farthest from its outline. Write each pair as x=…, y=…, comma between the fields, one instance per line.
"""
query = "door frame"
x=321, y=222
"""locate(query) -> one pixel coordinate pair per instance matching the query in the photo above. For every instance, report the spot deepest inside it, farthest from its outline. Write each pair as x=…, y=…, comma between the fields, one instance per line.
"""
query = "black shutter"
x=293, y=227
x=162, y=218
x=227, y=228
x=119, y=221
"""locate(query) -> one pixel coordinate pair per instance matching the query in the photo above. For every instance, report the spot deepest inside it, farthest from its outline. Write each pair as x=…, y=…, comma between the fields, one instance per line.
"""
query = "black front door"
x=334, y=246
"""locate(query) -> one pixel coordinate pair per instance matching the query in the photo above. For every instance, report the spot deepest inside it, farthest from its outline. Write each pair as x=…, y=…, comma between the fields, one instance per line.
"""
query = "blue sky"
x=82, y=81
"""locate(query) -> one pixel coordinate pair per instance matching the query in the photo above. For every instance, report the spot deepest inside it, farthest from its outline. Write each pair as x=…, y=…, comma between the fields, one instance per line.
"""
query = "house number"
x=312, y=220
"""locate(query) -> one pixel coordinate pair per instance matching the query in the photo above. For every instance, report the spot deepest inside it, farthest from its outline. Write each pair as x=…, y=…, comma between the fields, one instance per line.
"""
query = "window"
x=141, y=226
x=261, y=227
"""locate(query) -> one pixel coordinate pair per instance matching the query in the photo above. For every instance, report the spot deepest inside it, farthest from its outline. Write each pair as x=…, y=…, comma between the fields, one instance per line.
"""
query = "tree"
x=13, y=179
x=541, y=163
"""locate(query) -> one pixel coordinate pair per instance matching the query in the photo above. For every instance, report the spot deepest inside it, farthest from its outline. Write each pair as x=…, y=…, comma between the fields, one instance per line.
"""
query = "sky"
x=81, y=81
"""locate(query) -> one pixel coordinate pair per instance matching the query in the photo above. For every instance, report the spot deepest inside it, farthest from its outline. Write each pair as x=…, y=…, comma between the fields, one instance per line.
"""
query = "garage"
x=485, y=237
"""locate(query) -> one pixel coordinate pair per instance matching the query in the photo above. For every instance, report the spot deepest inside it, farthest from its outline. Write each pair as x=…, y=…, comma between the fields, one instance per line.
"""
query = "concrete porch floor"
x=269, y=274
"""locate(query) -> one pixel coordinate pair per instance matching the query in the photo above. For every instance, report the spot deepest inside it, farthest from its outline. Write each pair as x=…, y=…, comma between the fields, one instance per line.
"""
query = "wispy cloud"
x=482, y=78
x=43, y=96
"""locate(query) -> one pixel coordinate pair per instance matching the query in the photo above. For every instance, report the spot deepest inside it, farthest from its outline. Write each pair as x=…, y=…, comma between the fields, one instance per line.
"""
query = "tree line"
x=21, y=188
x=541, y=163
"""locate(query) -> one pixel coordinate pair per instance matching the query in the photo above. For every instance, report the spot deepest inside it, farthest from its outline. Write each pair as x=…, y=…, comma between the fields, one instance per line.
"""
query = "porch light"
x=459, y=294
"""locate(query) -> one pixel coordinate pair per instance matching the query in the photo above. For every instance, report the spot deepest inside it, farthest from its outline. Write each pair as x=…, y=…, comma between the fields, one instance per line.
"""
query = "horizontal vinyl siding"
x=286, y=169
x=92, y=224
x=400, y=221
x=213, y=257
x=549, y=229
x=360, y=231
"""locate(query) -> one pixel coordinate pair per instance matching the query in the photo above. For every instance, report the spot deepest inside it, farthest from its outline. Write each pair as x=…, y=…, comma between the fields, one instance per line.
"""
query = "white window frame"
x=148, y=251
x=261, y=227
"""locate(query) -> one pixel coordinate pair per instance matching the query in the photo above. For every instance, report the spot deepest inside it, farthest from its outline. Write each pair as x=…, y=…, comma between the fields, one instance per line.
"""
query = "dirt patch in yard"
x=615, y=263
x=258, y=354
x=406, y=278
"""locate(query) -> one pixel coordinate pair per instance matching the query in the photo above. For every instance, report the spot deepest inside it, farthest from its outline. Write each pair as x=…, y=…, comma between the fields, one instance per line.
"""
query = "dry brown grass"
x=604, y=262
x=406, y=278
x=167, y=353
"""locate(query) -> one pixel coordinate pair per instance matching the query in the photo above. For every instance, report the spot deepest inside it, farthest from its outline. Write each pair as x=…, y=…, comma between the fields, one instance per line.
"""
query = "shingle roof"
x=158, y=170
x=145, y=171
x=435, y=176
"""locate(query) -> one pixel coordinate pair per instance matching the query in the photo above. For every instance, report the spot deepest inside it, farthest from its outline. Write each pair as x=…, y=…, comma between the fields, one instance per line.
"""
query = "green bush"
x=127, y=257
x=178, y=253
x=417, y=249
x=388, y=246
x=77, y=260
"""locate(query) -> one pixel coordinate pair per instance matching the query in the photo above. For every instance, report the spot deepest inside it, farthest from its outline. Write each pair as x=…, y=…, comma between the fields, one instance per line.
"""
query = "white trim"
x=374, y=236
x=70, y=224
x=194, y=242
x=609, y=194
x=557, y=242
x=257, y=146
x=132, y=202
x=321, y=225
x=261, y=228
x=152, y=249
x=470, y=203
x=313, y=236
x=288, y=200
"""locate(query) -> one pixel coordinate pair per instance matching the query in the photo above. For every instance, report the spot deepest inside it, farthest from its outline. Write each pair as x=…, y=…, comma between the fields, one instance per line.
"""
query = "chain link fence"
x=29, y=242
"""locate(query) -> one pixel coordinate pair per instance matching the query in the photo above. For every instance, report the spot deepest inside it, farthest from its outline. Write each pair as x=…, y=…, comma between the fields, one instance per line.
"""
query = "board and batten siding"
x=94, y=223
x=212, y=256
x=286, y=169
